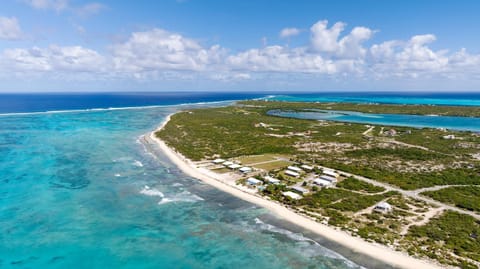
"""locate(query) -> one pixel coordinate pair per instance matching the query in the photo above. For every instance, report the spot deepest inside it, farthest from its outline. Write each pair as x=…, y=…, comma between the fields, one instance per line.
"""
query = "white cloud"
x=158, y=54
x=159, y=49
x=289, y=32
x=10, y=29
x=55, y=59
x=326, y=40
x=57, y=5
x=323, y=39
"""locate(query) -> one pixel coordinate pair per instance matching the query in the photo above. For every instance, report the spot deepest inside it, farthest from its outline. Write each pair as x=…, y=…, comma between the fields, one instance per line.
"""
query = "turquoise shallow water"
x=416, y=121
x=79, y=190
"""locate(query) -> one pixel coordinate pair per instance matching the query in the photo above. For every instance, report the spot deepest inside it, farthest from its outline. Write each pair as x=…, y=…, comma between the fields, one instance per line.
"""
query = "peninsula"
x=405, y=196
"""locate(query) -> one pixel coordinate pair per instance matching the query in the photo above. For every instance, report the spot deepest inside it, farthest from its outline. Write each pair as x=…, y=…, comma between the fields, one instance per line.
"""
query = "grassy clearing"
x=256, y=158
x=273, y=165
x=357, y=185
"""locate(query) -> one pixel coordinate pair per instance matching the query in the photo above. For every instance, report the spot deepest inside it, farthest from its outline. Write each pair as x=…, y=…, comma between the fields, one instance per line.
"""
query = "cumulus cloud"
x=289, y=32
x=160, y=49
x=54, y=58
x=9, y=28
x=330, y=52
x=326, y=40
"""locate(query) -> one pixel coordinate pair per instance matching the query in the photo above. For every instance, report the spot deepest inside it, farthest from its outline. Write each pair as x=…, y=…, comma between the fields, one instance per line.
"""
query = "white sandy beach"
x=376, y=251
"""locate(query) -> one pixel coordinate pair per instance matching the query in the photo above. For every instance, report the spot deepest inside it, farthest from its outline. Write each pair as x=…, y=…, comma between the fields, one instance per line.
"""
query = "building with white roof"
x=292, y=195
x=322, y=182
x=245, y=169
x=253, y=181
x=291, y=173
x=294, y=169
x=234, y=166
x=307, y=167
x=300, y=189
x=330, y=173
x=329, y=178
x=218, y=161
x=383, y=207
x=272, y=180
x=227, y=163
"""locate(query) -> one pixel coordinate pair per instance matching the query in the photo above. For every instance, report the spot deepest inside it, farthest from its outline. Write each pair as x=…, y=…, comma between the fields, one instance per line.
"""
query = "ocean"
x=78, y=189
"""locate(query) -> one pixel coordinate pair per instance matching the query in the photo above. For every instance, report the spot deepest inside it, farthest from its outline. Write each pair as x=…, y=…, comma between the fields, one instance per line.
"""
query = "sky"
x=219, y=45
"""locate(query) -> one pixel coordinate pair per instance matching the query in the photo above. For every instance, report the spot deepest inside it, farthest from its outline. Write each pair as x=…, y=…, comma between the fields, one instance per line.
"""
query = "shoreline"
x=356, y=244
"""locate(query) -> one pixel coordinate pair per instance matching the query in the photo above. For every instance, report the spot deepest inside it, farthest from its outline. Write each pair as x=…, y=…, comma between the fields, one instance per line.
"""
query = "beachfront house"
x=294, y=169
x=449, y=137
x=292, y=195
x=234, y=166
x=245, y=169
x=272, y=180
x=330, y=173
x=227, y=163
x=330, y=179
x=218, y=161
x=383, y=207
x=307, y=167
x=300, y=189
x=253, y=181
x=291, y=173
x=322, y=182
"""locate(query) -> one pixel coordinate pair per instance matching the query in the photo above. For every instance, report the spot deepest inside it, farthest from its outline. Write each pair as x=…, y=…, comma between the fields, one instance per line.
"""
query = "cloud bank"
x=330, y=52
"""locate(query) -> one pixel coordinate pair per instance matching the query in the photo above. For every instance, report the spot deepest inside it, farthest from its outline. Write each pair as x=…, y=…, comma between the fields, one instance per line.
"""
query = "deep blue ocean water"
x=78, y=189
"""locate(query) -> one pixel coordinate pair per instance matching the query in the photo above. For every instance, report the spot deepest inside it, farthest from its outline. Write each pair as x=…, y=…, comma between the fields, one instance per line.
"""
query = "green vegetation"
x=358, y=185
x=342, y=200
x=467, y=197
x=407, y=154
x=410, y=180
x=455, y=232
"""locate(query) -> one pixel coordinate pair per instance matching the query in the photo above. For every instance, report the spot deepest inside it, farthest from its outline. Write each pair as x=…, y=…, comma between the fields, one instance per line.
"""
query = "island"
x=407, y=196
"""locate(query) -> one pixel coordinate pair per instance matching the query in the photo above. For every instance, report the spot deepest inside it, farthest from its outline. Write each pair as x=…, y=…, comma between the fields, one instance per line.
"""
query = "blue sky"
x=68, y=45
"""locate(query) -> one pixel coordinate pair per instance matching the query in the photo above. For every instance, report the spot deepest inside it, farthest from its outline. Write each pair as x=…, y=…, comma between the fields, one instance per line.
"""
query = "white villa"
x=328, y=178
x=300, y=189
x=294, y=169
x=291, y=173
x=272, y=180
x=307, y=167
x=227, y=163
x=245, y=169
x=234, y=166
x=330, y=173
x=383, y=207
x=218, y=161
x=253, y=181
x=292, y=195
x=322, y=182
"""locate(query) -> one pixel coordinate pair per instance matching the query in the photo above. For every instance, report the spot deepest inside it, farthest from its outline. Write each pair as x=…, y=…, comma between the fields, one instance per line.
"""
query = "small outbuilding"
x=227, y=163
x=291, y=173
x=300, y=189
x=307, y=167
x=294, y=169
x=292, y=195
x=322, y=182
x=272, y=180
x=253, y=181
x=218, y=161
x=245, y=169
x=330, y=173
x=328, y=178
x=234, y=166
x=383, y=207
